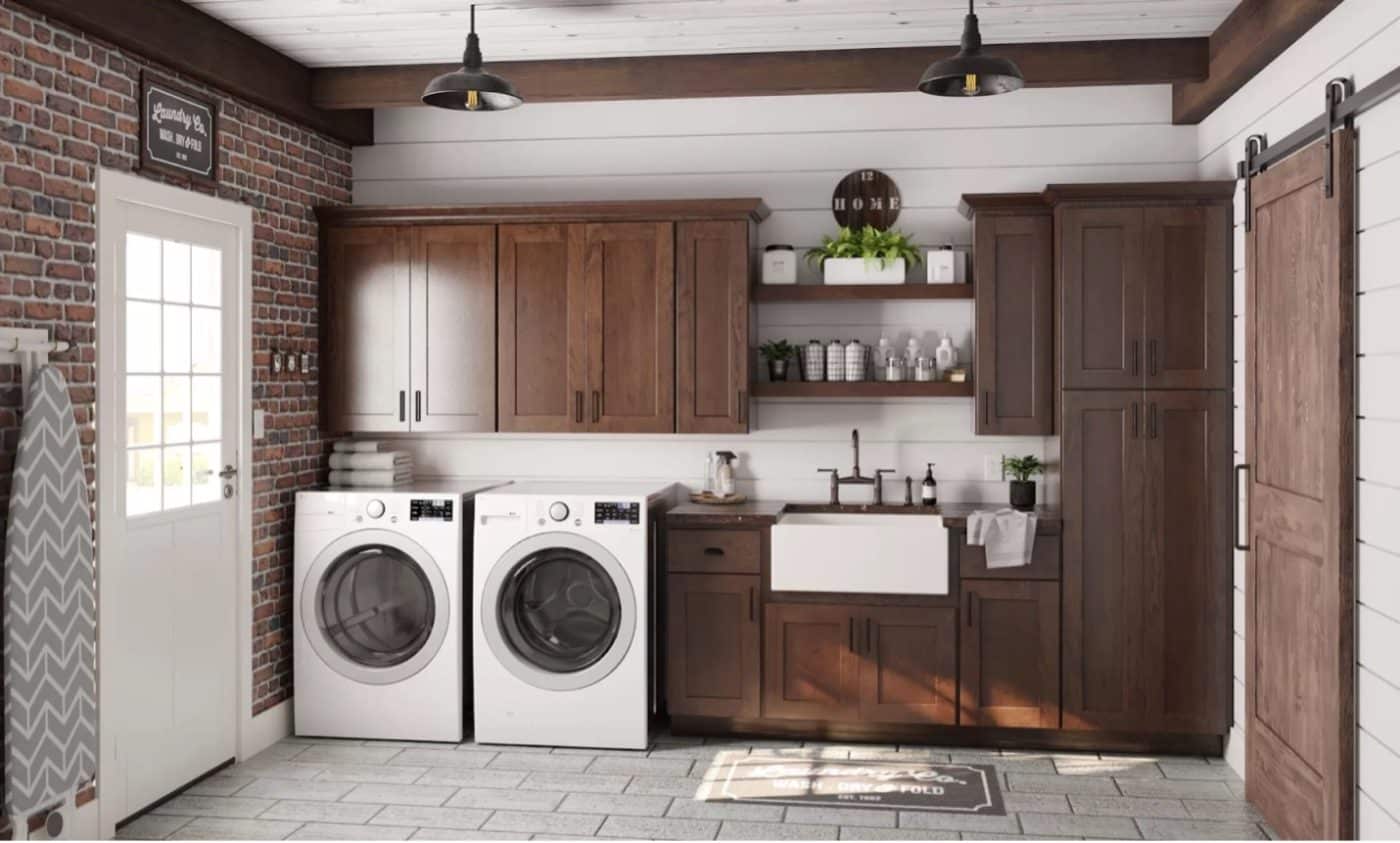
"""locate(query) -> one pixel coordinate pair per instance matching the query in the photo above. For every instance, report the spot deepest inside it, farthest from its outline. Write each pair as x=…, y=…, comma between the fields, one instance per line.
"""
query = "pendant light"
x=969, y=73
x=471, y=88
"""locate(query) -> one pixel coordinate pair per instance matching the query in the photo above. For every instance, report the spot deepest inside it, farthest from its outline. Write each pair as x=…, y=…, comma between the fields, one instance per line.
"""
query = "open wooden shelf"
x=861, y=292
x=861, y=389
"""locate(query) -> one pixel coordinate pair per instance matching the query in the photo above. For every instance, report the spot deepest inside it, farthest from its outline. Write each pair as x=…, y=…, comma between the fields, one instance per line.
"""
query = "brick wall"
x=67, y=106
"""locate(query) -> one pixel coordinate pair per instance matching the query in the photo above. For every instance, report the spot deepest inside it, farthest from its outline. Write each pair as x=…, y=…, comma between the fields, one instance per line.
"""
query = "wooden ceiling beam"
x=1052, y=64
x=181, y=37
x=1255, y=33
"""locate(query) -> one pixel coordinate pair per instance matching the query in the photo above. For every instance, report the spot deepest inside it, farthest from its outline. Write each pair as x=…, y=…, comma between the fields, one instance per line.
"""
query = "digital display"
x=617, y=513
x=429, y=510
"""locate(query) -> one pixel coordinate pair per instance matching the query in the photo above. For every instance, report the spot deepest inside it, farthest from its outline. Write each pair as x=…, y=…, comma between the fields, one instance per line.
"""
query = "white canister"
x=779, y=264
x=946, y=355
x=947, y=265
x=835, y=361
x=857, y=358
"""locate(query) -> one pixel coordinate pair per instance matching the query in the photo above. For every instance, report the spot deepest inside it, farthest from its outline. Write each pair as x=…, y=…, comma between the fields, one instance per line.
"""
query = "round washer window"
x=559, y=610
x=375, y=606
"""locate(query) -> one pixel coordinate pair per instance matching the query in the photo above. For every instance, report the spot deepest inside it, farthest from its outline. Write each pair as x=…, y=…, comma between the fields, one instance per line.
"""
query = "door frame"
x=114, y=189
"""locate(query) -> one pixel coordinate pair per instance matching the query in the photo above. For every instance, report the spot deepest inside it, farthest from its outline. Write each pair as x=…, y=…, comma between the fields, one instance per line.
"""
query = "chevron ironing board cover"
x=50, y=610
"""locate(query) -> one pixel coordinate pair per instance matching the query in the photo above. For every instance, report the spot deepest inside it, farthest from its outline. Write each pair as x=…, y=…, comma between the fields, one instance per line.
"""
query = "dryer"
x=562, y=601
x=379, y=612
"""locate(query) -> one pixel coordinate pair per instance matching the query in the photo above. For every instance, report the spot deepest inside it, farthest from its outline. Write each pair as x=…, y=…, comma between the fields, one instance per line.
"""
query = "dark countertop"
x=765, y=513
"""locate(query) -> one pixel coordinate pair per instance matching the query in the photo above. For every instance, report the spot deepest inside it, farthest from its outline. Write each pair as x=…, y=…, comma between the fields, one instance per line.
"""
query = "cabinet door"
x=908, y=665
x=541, y=362
x=1102, y=485
x=1014, y=279
x=630, y=277
x=454, y=328
x=1189, y=298
x=1010, y=667
x=1102, y=292
x=712, y=327
x=712, y=645
x=365, y=356
x=1188, y=576
x=809, y=664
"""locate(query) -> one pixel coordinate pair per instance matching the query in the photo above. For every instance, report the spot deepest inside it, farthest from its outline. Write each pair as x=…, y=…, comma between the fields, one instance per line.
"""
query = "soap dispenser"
x=928, y=493
x=726, y=473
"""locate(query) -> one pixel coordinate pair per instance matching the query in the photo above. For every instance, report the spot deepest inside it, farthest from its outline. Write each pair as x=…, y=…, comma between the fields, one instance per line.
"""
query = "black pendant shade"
x=471, y=88
x=969, y=73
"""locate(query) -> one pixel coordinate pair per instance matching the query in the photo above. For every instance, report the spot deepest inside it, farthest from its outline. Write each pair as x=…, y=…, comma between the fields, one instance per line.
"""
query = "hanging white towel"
x=371, y=478
x=381, y=461
x=358, y=446
x=1008, y=536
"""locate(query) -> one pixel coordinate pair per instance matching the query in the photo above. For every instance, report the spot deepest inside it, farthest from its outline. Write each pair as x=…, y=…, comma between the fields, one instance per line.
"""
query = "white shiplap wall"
x=791, y=151
x=1361, y=39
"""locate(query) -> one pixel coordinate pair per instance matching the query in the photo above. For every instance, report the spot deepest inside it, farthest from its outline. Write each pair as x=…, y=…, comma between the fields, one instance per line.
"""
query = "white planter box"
x=861, y=271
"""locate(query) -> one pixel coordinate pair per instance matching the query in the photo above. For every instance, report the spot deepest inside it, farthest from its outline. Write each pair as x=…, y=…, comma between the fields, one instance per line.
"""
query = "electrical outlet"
x=259, y=424
x=991, y=470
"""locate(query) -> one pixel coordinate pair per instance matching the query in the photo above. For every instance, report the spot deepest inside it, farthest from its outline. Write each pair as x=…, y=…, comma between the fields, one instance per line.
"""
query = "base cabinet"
x=908, y=665
x=712, y=667
x=810, y=670
x=1010, y=665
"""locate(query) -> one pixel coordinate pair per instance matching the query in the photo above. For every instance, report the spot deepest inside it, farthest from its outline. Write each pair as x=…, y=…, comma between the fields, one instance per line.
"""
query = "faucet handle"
x=880, y=484
x=835, y=471
x=880, y=471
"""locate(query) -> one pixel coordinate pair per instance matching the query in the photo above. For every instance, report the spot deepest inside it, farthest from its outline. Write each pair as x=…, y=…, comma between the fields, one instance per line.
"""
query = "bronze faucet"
x=856, y=478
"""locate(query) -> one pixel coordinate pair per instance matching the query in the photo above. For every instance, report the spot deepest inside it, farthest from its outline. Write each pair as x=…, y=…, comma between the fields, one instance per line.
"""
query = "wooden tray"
x=716, y=500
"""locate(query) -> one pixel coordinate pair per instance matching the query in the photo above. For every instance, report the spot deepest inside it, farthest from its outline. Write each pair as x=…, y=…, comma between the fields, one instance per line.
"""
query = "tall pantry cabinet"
x=1144, y=280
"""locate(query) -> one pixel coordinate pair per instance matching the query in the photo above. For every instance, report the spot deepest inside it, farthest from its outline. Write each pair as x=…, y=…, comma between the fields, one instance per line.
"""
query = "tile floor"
x=322, y=789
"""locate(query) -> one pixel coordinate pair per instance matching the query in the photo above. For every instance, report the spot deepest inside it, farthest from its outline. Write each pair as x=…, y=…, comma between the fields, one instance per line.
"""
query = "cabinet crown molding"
x=749, y=208
x=1137, y=192
x=1007, y=203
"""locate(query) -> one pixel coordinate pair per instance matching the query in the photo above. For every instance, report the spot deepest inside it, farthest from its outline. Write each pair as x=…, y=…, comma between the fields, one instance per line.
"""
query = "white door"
x=168, y=437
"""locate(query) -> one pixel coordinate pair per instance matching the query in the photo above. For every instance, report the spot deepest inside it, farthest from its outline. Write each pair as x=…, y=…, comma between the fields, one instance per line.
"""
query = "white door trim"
x=114, y=189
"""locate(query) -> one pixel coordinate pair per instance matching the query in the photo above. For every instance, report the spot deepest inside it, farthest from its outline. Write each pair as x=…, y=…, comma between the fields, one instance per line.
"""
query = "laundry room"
x=700, y=419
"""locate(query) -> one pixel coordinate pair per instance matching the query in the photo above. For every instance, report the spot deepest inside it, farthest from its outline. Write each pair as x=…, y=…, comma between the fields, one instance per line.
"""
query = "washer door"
x=559, y=611
x=375, y=607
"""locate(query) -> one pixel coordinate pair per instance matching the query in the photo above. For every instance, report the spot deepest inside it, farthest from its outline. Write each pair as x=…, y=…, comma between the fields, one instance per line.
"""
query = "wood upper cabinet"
x=453, y=271
x=630, y=352
x=542, y=377
x=810, y=669
x=366, y=350
x=1010, y=665
x=712, y=665
x=1189, y=300
x=712, y=327
x=1013, y=275
x=1103, y=297
x=908, y=665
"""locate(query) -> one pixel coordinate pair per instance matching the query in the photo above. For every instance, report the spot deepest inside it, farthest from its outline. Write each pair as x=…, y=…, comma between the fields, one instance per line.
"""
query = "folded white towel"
x=381, y=461
x=1008, y=536
x=358, y=446
x=371, y=478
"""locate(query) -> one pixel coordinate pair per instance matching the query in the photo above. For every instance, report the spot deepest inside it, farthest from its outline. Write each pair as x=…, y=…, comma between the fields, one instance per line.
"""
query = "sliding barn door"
x=1300, y=421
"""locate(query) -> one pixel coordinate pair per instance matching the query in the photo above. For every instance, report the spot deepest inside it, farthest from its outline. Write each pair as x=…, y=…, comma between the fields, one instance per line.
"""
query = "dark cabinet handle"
x=1135, y=419
x=417, y=405
x=869, y=644
x=578, y=406
x=1137, y=347
x=403, y=405
x=1152, y=358
x=714, y=551
x=597, y=406
x=752, y=616
x=987, y=407
x=1236, y=508
x=1152, y=422
x=743, y=407
x=851, y=632
x=971, y=602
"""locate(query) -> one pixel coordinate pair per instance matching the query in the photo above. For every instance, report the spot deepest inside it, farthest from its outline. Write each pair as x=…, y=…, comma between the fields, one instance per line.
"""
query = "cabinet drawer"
x=714, y=551
x=1045, y=562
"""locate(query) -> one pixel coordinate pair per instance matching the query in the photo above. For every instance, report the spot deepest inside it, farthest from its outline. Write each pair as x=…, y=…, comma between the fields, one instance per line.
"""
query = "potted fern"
x=1021, y=470
x=777, y=353
x=866, y=255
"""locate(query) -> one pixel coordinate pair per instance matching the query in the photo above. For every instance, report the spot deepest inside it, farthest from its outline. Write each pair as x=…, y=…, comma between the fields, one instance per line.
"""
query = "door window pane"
x=204, y=473
x=143, y=481
x=143, y=421
x=204, y=409
x=176, y=267
x=177, y=409
x=206, y=265
x=142, y=267
x=206, y=337
x=177, y=339
x=142, y=337
x=176, y=463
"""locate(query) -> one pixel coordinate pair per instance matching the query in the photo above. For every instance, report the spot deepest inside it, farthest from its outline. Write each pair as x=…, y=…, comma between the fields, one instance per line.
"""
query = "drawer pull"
x=752, y=616
x=714, y=551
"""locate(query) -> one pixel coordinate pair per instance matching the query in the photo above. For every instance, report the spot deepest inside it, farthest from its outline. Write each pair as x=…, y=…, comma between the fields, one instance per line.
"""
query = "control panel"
x=422, y=509
x=617, y=513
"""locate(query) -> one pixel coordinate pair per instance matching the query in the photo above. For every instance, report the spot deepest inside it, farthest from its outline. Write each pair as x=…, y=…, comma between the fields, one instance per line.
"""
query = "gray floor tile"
x=281, y=751
x=1040, y=803
x=320, y=754
x=321, y=812
x=1034, y=766
x=1199, y=830
x=465, y=777
x=216, y=828
x=307, y=791
x=400, y=794
x=370, y=774
x=544, y=762
x=426, y=816
x=1175, y=789
x=463, y=834
x=1129, y=806
x=151, y=827
x=220, y=785
x=531, y=822
x=822, y=815
x=1199, y=772
x=738, y=830
x=937, y=821
x=678, y=786
x=226, y=807
x=471, y=746
x=276, y=770
x=982, y=835
x=1125, y=768
x=1079, y=825
x=495, y=798
x=641, y=766
x=1042, y=783
x=868, y=833
x=922, y=753
x=660, y=828
x=442, y=758
x=1216, y=809
x=694, y=809
x=580, y=782
x=696, y=752
x=618, y=804
x=340, y=831
x=312, y=740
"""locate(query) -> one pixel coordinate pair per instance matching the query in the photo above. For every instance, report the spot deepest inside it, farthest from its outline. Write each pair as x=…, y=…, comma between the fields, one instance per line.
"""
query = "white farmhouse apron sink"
x=860, y=553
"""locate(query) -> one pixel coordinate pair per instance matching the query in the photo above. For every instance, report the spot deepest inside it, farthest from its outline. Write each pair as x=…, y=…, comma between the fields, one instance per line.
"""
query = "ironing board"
x=49, y=613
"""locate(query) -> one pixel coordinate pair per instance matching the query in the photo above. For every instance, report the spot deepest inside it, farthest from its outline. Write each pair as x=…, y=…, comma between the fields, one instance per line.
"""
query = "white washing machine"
x=561, y=638
x=379, y=630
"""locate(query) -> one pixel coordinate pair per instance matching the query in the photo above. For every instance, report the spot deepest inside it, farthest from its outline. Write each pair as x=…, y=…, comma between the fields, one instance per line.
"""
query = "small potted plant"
x=865, y=256
x=777, y=353
x=1021, y=470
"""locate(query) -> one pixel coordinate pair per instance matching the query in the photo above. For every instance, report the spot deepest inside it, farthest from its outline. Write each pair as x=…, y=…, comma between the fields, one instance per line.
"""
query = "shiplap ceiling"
x=329, y=33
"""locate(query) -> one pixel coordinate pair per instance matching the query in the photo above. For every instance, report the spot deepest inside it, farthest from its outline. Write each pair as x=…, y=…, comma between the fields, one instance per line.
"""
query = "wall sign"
x=866, y=197
x=179, y=130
